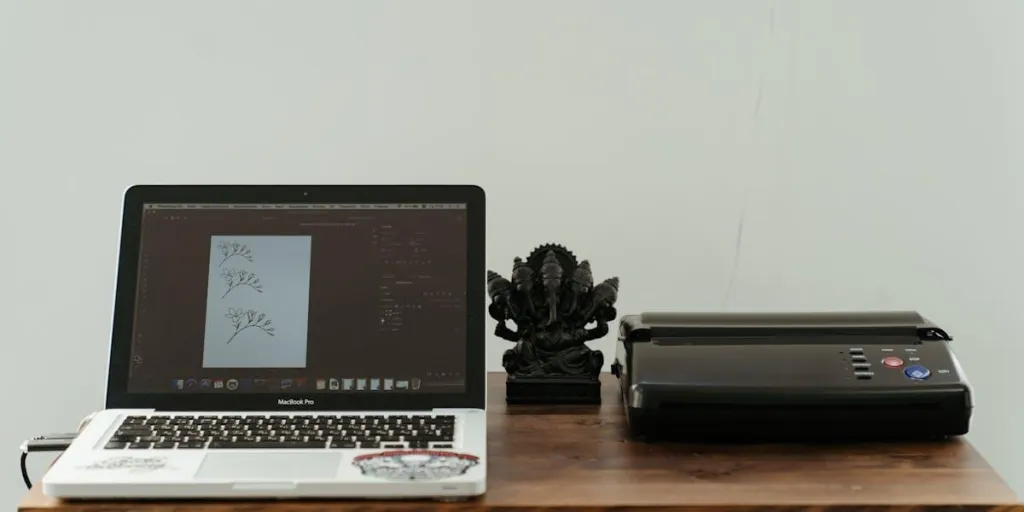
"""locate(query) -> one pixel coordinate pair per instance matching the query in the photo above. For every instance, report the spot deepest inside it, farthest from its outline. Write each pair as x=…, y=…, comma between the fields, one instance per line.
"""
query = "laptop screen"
x=301, y=298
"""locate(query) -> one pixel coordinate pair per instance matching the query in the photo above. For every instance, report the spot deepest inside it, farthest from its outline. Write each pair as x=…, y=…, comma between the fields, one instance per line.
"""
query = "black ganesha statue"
x=556, y=308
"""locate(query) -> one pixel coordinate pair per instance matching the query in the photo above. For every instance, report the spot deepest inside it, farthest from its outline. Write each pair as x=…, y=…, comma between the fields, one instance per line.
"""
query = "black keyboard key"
x=166, y=445
x=139, y=446
x=115, y=445
x=192, y=445
x=444, y=446
x=134, y=432
x=286, y=445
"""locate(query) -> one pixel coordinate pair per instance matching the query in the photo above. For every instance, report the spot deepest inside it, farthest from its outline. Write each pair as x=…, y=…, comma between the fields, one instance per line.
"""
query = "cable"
x=47, y=443
x=24, y=470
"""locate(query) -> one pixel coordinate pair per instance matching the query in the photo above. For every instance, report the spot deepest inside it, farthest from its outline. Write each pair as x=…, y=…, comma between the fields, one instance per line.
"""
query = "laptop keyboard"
x=187, y=432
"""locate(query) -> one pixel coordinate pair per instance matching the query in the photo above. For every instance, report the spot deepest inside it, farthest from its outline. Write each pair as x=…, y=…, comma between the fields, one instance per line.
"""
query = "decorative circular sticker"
x=415, y=464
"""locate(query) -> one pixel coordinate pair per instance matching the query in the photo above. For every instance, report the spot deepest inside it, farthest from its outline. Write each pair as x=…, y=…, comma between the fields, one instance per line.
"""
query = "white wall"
x=713, y=154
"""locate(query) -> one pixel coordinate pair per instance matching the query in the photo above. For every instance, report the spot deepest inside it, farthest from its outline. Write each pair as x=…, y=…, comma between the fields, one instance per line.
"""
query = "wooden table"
x=577, y=458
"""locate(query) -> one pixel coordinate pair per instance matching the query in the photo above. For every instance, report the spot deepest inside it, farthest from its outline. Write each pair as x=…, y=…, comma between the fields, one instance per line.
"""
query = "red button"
x=892, y=362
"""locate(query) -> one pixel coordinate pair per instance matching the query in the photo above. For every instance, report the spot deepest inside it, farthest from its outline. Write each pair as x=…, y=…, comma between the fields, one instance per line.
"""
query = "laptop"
x=292, y=341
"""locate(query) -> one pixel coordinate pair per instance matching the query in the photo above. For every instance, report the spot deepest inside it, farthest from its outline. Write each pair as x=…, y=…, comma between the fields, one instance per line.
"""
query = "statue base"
x=552, y=390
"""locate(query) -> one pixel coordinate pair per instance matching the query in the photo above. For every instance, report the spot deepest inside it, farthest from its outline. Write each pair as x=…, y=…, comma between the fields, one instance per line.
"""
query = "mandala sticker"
x=406, y=465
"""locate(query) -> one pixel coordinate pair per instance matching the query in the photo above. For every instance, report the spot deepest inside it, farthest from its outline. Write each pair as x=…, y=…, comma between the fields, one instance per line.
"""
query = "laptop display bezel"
x=474, y=394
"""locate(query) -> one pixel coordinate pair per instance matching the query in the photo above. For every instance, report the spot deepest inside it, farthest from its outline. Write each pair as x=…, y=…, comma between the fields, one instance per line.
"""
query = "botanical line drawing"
x=242, y=319
x=232, y=249
x=235, y=277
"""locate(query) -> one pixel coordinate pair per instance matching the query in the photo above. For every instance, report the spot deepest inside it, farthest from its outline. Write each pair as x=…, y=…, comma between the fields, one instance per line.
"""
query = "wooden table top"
x=576, y=457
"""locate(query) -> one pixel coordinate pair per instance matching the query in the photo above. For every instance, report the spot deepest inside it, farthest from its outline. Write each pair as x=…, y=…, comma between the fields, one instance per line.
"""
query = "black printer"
x=786, y=376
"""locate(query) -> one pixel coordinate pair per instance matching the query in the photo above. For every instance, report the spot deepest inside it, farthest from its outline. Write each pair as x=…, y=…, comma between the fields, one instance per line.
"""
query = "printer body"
x=787, y=376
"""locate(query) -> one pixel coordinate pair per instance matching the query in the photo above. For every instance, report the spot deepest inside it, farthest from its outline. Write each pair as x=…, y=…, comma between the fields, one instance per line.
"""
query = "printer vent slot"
x=808, y=422
x=698, y=408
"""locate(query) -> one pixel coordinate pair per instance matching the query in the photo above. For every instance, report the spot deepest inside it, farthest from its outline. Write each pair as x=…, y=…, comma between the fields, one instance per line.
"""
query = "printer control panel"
x=920, y=363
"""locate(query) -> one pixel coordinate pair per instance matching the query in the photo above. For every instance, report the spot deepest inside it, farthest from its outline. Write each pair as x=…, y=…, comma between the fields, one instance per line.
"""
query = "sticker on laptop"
x=406, y=465
x=132, y=464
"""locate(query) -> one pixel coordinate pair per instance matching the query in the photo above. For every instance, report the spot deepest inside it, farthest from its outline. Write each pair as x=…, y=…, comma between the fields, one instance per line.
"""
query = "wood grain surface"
x=577, y=457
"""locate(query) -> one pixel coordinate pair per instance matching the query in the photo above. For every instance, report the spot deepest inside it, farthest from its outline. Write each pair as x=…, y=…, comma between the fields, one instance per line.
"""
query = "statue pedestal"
x=553, y=390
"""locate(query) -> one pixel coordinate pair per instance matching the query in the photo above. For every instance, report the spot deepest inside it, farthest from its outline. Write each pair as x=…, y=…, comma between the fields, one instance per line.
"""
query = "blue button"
x=917, y=372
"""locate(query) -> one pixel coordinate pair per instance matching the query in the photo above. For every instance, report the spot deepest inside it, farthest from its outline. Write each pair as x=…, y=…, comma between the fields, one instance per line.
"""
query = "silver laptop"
x=291, y=341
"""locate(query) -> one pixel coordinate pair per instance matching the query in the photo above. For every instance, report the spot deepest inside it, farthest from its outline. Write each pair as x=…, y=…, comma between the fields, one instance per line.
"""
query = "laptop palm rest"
x=263, y=466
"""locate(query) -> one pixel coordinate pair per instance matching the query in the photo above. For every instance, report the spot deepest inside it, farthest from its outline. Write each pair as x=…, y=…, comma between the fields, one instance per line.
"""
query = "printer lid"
x=870, y=324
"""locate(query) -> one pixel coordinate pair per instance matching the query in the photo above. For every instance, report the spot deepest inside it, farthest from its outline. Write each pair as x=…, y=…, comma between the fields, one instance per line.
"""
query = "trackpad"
x=278, y=466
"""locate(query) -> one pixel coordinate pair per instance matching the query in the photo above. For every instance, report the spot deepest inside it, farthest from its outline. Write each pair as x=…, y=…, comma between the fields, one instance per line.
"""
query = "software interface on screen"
x=332, y=298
